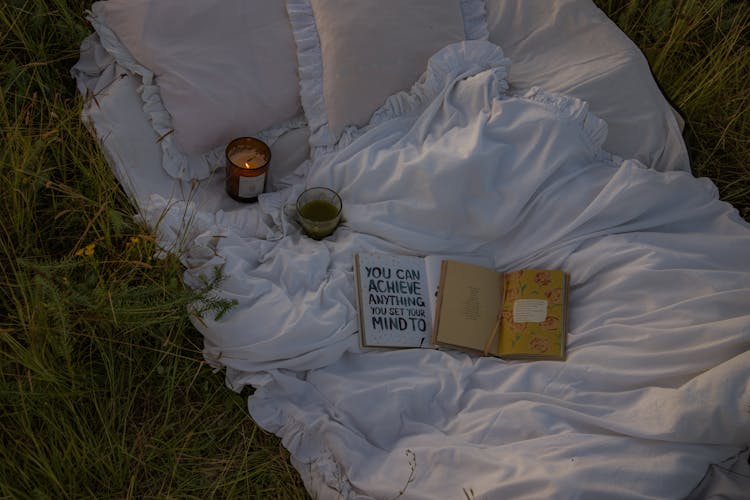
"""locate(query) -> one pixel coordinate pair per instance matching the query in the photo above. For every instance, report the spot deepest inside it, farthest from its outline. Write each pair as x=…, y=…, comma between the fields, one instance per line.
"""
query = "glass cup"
x=319, y=211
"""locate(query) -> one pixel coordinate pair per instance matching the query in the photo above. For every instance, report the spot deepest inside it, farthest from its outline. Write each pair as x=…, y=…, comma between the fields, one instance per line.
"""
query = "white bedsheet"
x=656, y=382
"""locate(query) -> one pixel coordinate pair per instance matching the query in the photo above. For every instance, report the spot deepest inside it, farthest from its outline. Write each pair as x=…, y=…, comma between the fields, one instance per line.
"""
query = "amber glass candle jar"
x=247, y=166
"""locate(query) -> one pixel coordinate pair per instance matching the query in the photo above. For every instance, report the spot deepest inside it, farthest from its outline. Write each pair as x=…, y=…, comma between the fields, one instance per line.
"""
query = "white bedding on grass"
x=655, y=387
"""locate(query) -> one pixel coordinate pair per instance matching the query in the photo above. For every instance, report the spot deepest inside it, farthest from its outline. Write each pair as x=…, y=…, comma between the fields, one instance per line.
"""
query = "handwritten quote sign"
x=393, y=300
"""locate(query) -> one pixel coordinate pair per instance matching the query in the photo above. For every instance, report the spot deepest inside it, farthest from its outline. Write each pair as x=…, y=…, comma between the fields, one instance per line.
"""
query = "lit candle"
x=247, y=166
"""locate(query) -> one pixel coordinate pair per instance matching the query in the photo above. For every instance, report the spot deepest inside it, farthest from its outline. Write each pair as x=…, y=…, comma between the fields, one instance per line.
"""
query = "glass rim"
x=321, y=188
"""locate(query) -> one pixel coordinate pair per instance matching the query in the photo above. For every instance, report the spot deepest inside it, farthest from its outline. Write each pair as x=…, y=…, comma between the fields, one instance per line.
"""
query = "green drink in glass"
x=319, y=211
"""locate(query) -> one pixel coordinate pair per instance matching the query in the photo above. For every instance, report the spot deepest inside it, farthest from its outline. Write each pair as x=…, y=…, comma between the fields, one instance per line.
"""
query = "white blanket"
x=656, y=382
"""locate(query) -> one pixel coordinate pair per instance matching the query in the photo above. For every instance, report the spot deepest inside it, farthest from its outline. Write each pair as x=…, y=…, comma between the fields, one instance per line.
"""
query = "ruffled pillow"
x=211, y=71
x=353, y=55
x=571, y=47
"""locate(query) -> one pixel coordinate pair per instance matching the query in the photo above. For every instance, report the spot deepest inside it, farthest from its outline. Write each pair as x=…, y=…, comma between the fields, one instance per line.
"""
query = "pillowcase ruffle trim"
x=175, y=162
x=310, y=60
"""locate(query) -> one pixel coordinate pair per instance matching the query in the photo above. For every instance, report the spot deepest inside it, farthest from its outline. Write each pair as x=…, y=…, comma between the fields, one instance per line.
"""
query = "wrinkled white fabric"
x=572, y=47
x=345, y=75
x=655, y=387
x=655, y=384
x=214, y=117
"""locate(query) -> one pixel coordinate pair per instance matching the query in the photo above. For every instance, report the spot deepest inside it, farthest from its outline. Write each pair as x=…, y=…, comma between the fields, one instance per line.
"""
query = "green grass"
x=103, y=390
x=699, y=51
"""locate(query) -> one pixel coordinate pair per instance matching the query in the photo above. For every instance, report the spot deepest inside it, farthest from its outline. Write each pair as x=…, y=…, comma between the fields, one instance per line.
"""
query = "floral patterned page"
x=534, y=314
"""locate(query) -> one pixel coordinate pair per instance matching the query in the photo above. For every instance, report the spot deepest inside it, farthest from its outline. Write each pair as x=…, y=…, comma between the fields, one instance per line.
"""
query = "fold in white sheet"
x=655, y=385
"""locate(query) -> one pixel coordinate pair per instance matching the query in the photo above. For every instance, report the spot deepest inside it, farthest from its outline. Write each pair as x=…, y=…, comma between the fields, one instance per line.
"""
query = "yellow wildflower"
x=133, y=242
x=88, y=250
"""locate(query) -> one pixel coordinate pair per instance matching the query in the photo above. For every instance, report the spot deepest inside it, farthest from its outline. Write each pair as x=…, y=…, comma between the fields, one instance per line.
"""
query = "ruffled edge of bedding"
x=310, y=61
x=315, y=461
x=475, y=19
x=455, y=61
x=175, y=162
x=310, y=68
x=577, y=110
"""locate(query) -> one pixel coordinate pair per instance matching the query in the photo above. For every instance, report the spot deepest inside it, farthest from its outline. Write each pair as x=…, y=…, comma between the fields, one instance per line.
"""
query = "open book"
x=514, y=315
x=412, y=301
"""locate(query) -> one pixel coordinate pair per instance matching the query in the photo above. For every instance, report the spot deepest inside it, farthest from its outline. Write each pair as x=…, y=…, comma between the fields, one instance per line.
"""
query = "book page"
x=432, y=265
x=433, y=268
x=469, y=305
x=534, y=314
x=393, y=304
